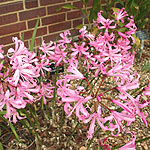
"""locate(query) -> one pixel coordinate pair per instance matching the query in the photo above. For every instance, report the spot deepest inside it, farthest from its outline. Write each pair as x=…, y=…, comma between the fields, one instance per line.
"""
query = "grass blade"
x=93, y=138
x=1, y=146
x=34, y=35
x=72, y=133
x=14, y=131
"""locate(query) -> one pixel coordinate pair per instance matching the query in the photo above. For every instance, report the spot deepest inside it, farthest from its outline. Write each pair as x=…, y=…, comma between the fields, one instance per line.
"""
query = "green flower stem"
x=72, y=133
x=100, y=85
x=93, y=138
x=110, y=89
x=34, y=117
x=47, y=112
x=32, y=125
x=55, y=90
x=104, y=106
x=89, y=86
x=87, y=15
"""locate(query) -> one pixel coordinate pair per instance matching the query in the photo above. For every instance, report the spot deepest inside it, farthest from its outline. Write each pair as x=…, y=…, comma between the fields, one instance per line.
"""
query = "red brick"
x=78, y=4
x=40, y=32
x=74, y=14
x=52, y=9
x=8, y=19
x=11, y=7
x=12, y=28
x=53, y=19
x=32, y=23
x=74, y=32
x=32, y=13
x=7, y=39
x=1, y=1
x=77, y=22
x=26, y=44
x=53, y=37
x=47, y=2
x=31, y=3
x=90, y=3
x=59, y=27
x=6, y=48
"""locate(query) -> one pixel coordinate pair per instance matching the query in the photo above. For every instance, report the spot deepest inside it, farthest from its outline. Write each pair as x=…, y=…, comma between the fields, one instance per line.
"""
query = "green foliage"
x=136, y=8
x=140, y=10
x=146, y=67
x=96, y=7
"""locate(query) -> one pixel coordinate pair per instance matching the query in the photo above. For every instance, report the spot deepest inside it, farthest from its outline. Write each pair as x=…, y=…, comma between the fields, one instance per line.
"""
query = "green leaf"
x=128, y=5
x=134, y=4
x=34, y=35
x=96, y=7
x=79, y=26
x=14, y=131
x=121, y=2
x=83, y=11
x=1, y=146
x=134, y=11
x=22, y=37
x=120, y=24
x=122, y=29
x=3, y=112
x=115, y=9
x=69, y=6
x=140, y=25
x=0, y=132
x=84, y=1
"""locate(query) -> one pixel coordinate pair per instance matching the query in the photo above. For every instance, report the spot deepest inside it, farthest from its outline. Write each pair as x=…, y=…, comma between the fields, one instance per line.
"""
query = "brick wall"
x=19, y=16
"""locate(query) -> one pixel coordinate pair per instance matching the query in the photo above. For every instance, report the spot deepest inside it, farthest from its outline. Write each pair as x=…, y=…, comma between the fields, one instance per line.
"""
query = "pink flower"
x=121, y=14
x=79, y=49
x=105, y=22
x=147, y=90
x=130, y=145
x=137, y=106
x=60, y=55
x=69, y=96
x=84, y=33
x=64, y=37
x=75, y=72
x=27, y=90
x=11, y=103
x=46, y=92
x=103, y=145
x=41, y=65
x=1, y=52
x=24, y=70
x=96, y=116
x=80, y=109
x=131, y=83
x=47, y=49
x=20, y=49
x=15, y=115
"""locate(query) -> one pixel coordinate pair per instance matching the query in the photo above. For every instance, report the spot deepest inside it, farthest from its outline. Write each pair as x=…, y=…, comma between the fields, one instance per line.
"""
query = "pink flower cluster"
x=107, y=54
x=18, y=79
